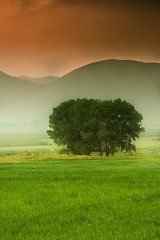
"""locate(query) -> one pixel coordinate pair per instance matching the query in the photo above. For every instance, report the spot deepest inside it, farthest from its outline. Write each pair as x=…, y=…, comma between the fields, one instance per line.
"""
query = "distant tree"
x=88, y=125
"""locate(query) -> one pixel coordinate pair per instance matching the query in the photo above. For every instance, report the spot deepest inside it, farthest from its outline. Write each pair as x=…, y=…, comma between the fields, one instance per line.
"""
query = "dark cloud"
x=104, y=4
x=32, y=5
x=112, y=3
x=74, y=2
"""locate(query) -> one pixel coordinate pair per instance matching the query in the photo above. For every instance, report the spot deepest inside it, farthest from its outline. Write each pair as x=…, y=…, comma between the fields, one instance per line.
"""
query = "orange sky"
x=52, y=37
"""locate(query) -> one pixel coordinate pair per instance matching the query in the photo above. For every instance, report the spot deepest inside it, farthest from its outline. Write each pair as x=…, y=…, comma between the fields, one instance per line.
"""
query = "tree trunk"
x=107, y=150
x=100, y=150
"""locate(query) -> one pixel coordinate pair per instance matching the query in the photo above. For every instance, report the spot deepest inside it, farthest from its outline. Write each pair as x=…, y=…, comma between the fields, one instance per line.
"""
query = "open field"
x=38, y=143
x=15, y=143
x=44, y=195
x=75, y=197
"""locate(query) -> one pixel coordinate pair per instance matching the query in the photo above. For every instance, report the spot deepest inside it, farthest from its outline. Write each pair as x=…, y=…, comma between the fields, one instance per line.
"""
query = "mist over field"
x=26, y=103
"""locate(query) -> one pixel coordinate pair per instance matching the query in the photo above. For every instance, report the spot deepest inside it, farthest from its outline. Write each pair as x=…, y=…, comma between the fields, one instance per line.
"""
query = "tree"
x=69, y=125
x=88, y=125
x=119, y=125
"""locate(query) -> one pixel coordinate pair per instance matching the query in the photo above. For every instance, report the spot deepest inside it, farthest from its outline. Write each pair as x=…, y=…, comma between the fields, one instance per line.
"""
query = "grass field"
x=48, y=196
x=66, y=197
x=38, y=143
x=15, y=143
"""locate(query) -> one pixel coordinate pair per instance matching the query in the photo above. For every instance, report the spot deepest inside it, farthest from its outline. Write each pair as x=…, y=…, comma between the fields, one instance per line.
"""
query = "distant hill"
x=136, y=82
x=16, y=99
x=41, y=80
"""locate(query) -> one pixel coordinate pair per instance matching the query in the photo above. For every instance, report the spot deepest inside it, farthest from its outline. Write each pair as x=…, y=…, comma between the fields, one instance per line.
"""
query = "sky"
x=53, y=37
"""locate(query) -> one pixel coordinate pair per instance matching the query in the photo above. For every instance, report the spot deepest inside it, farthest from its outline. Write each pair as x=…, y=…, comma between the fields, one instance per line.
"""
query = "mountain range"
x=41, y=80
x=29, y=100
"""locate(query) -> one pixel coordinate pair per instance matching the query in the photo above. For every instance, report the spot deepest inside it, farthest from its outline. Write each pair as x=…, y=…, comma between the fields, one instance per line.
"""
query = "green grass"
x=79, y=198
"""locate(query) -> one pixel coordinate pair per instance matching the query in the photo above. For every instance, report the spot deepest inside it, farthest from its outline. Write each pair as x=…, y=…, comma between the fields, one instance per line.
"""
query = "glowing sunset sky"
x=52, y=37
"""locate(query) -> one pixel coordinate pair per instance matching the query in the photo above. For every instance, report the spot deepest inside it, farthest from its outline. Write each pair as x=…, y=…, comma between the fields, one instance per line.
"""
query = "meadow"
x=38, y=143
x=21, y=143
x=60, y=197
x=80, y=198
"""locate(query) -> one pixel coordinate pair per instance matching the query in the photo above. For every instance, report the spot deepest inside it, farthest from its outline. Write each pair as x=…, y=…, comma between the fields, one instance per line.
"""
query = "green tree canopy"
x=89, y=125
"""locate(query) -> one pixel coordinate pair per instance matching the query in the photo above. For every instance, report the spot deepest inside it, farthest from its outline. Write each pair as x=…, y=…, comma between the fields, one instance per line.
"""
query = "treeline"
x=85, y=126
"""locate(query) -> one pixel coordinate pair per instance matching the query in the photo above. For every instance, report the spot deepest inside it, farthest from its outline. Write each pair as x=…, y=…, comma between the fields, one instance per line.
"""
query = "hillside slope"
x=40, y=80
x=136, y=82
x=16, y=99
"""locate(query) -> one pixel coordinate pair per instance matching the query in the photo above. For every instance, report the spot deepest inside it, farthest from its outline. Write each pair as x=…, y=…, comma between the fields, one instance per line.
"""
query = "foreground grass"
x=78, y=198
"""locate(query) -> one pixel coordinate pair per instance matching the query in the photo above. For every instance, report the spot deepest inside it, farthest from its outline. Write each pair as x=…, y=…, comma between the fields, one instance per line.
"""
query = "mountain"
x=17, y=98
x=41, y=80
x=136, y=82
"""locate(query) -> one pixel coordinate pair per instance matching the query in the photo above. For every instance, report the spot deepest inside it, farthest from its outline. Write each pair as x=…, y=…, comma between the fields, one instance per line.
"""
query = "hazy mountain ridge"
x=40, y=80
x=136, y=82
x=16, y=98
